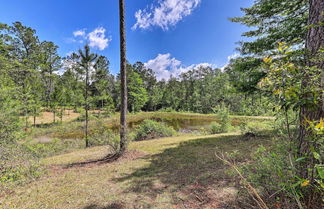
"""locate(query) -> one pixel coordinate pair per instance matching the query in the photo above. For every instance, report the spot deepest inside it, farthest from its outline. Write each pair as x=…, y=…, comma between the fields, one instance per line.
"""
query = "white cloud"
x=233, y=56
x=96, y=38
x=229, y=58
x=79, y=33
x=166, y=66
x=165, y=14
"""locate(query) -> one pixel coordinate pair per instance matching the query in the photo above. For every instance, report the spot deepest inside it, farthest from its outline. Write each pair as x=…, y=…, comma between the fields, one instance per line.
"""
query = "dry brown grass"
x=48, y=117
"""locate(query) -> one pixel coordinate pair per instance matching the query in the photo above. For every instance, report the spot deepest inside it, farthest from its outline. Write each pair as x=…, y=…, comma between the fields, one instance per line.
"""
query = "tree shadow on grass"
x=111, y=206
x=192, y=168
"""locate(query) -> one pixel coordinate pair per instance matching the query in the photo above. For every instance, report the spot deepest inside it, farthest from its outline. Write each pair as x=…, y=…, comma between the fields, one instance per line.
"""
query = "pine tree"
x=123, y=67
x=86, y=62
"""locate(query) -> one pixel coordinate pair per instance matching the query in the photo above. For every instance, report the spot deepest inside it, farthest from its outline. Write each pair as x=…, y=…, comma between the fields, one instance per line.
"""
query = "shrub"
x=102, y=135
x=274, y=174
x=224, y=124
x=255, y=128
x=150, y=129
x=54, y=147
x=82, y=116
x=215, y=128
x=17, y=164
x=79, y=110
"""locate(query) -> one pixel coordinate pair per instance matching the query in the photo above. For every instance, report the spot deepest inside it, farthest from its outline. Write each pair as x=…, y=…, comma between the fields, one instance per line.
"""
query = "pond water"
x=185, y=124
x=180, y=124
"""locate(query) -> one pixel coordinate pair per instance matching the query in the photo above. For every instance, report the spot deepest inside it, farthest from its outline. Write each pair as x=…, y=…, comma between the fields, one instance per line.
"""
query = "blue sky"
x=170, y=36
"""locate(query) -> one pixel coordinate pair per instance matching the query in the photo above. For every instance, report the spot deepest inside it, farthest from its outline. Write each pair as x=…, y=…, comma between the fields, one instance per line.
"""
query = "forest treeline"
x=41, y=78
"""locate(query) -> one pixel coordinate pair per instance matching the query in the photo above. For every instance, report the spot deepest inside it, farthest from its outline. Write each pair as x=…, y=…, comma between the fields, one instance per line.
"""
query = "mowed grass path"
x=174, y=172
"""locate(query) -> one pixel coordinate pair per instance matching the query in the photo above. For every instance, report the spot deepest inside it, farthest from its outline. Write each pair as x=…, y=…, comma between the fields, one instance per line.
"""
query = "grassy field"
x=48, y=117
x=174, y=172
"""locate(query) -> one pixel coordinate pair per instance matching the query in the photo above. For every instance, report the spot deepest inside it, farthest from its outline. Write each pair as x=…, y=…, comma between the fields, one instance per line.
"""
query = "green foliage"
x=150, y=129
x=215, y=128
x=137, y=94
x=53, y=147
x=273, y=174
x=255, y=128
x=167, y=109
x=224, y=121
x=9, y=116
x=295, y=168
x=102, y=135
x=273, y=21
x=244, y=73
x=17, y=165
x=82, y=116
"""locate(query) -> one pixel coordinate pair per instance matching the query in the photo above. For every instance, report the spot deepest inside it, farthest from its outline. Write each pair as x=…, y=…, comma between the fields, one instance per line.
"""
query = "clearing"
x=173, y=172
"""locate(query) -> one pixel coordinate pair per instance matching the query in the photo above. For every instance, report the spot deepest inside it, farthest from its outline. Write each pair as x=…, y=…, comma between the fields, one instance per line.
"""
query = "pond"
x=179, y=124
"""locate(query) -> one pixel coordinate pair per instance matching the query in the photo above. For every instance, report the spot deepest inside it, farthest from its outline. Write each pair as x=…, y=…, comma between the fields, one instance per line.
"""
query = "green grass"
x=173, y=172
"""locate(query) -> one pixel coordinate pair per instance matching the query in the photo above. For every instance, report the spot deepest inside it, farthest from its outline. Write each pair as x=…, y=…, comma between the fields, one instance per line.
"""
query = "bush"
x=150, y=129
x=224, y=124
x=17, y=164
x=255, y=128
x=82, y=116
x=215, y=128
x=274, y=174
x=54, y=147
x=79, y=110
x=102, y=135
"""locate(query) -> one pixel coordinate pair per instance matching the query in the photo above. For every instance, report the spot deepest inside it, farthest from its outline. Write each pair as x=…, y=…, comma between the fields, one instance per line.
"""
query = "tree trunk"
x=61, y=116
x=54, y=110
x=86, y=107
x=123, y=109
x=314, y=41
x=26, y=122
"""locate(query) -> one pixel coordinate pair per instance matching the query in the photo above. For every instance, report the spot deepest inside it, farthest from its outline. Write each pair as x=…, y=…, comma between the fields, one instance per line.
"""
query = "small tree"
x=137, y=94
x=86, y=61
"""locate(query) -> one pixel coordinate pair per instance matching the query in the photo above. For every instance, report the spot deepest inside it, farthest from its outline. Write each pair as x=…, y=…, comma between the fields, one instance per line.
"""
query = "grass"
x=173, y=172
x=47, y=117
x=74, y=129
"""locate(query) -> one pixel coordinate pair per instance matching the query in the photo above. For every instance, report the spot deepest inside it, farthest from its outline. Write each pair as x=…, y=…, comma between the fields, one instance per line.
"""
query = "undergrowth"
x=150, y=129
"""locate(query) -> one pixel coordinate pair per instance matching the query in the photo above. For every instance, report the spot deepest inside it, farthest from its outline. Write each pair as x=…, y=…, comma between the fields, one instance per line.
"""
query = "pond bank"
x=185, y=121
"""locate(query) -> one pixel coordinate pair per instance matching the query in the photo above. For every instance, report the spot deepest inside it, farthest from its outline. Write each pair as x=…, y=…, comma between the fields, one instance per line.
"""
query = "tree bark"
x=54, y=111
x=314, y=41
x=86, y=106
x=123, y=109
